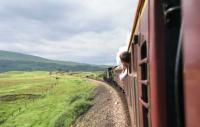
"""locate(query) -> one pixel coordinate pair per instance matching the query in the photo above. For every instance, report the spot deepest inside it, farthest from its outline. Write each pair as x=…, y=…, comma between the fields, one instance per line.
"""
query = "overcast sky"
x=88, y=31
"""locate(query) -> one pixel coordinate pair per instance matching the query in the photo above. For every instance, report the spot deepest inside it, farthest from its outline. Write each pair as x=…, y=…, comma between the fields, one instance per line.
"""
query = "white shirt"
x=123, y=74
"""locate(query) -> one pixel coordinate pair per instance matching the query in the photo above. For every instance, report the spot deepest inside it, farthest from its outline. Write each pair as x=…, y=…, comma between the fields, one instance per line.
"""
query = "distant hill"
x=12, y=61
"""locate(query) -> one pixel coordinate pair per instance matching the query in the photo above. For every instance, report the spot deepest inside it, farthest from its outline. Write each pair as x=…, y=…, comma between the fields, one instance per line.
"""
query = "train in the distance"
x=162, y=84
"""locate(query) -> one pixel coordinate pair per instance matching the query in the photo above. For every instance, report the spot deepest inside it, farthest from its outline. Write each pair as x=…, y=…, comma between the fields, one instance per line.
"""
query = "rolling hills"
x=12, y=61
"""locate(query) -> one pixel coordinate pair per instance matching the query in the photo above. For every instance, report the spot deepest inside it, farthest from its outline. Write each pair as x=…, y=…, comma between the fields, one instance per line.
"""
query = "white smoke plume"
x=125, y=47
x=122, y=49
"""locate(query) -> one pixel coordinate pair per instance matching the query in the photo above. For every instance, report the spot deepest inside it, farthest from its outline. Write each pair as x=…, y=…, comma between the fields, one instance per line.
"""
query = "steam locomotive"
x=162, y=82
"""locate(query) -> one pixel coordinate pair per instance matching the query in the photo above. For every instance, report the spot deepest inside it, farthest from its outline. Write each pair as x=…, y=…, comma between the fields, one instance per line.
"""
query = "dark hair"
x=125, y=56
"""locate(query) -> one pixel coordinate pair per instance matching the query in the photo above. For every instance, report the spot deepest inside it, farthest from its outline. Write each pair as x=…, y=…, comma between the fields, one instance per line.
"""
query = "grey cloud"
x=75, y=30
x=43, y=10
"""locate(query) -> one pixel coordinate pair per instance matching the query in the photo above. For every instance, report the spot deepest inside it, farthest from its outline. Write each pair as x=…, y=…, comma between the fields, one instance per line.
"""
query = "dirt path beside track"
x=109, y=109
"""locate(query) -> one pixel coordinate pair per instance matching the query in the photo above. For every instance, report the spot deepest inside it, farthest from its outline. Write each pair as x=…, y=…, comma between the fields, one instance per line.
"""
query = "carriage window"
x=145, y=117
x=145, y=93
x=143, y=50
x=130, y=64
x=144, y=84
x=144, y=71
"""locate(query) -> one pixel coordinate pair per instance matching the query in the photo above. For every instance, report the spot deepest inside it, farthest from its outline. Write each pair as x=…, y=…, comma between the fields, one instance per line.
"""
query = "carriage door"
x=143, y=70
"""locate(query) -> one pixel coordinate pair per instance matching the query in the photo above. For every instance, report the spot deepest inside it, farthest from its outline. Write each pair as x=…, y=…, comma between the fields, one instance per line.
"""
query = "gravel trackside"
x=109, y=109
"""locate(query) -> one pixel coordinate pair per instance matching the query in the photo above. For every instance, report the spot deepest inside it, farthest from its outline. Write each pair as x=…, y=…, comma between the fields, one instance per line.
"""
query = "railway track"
x=109, y=108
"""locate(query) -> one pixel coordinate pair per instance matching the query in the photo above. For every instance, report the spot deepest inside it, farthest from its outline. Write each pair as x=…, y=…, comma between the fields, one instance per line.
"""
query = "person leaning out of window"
x=125, y=58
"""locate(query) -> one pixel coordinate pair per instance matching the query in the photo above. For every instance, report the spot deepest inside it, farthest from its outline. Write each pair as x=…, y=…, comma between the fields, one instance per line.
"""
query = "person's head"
x=125, y=58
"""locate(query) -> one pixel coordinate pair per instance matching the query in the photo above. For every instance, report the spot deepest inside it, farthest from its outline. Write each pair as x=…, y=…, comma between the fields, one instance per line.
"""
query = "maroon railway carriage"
x=163, y=82
x=116, y=73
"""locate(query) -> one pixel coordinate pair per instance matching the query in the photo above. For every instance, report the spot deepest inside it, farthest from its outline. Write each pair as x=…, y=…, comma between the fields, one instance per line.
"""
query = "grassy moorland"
x=38, y=99
x=97, y=75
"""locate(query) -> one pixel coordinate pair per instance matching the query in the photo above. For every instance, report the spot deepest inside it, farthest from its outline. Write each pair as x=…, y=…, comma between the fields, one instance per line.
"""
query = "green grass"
x=36, y=99
x=98, y=75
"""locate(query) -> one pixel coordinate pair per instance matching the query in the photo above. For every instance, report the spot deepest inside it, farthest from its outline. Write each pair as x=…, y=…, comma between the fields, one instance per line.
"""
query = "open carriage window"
x=130, y=64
